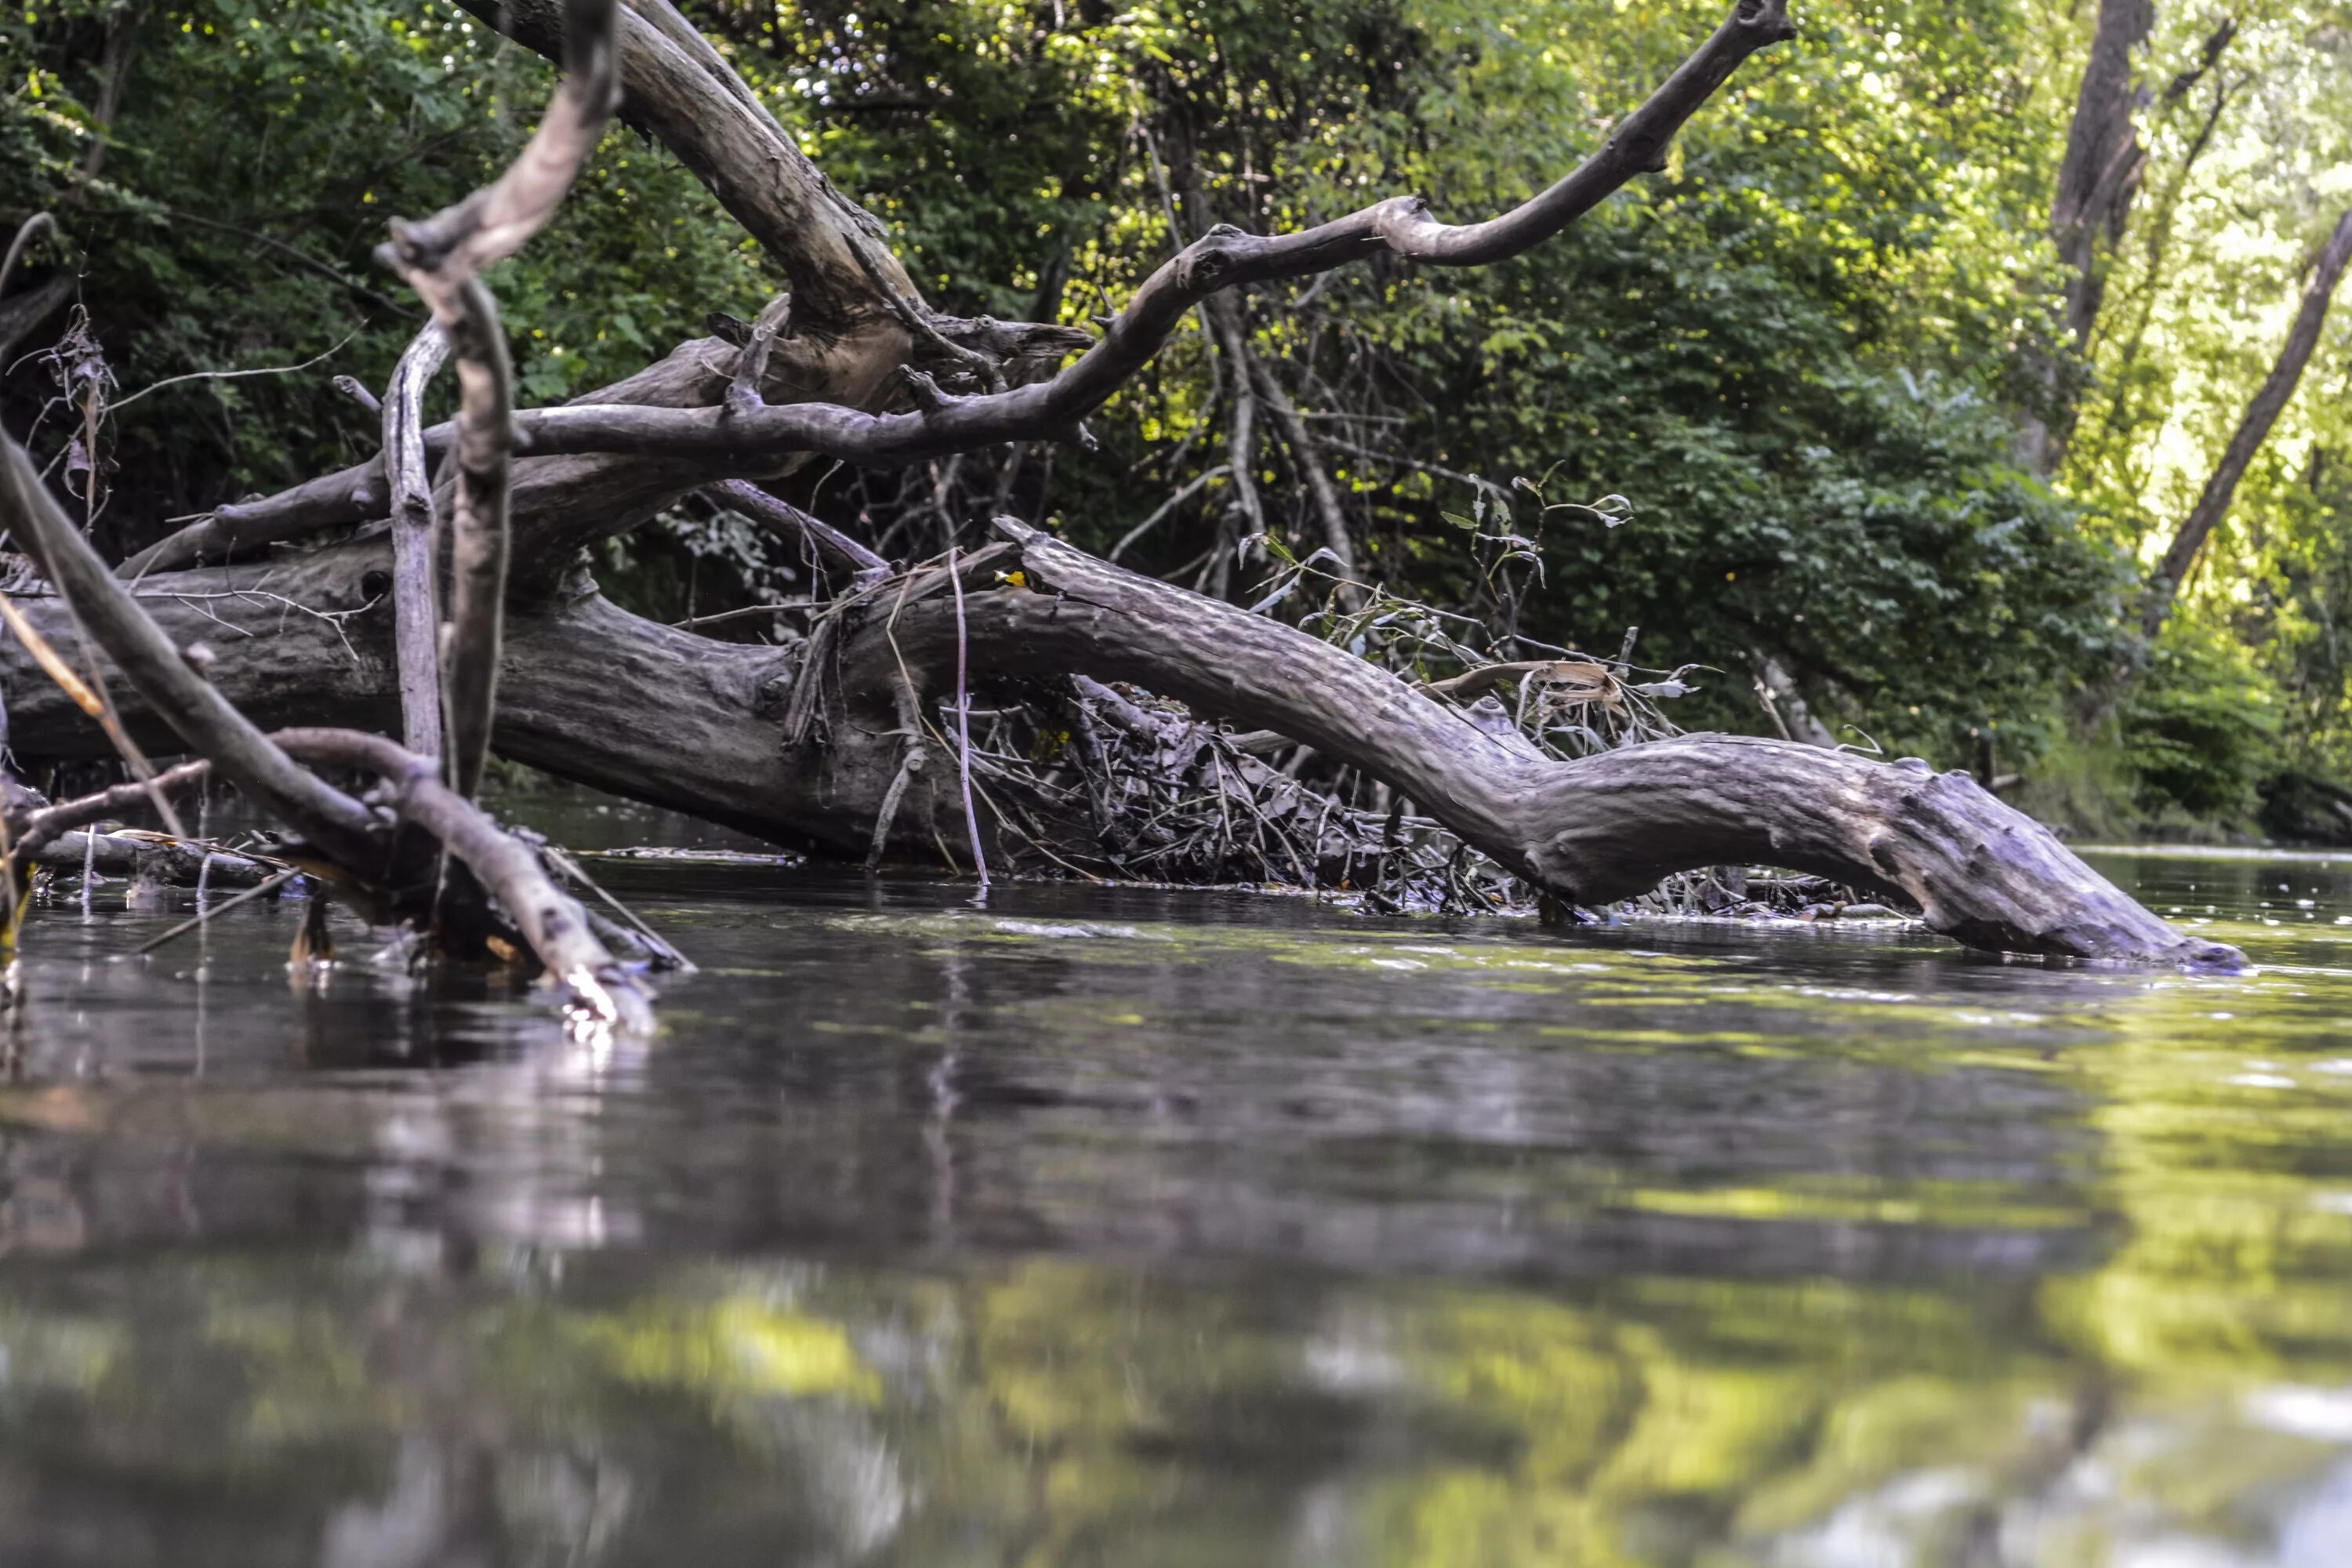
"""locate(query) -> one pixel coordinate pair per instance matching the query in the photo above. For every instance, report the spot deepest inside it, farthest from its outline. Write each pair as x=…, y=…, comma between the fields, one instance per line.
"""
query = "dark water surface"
x=1136, y=1228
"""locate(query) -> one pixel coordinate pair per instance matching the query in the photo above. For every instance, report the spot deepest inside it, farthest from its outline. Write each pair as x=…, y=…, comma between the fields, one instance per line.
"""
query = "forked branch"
x=442, y=258
x=710, y=441
x=415, y=534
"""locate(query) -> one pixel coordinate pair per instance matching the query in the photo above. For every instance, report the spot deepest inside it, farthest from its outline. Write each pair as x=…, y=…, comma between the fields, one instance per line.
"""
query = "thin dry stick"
x=186, y=926
x=564, y=863
x=53, y=663
x=964, y=727
x=160, y=674
x=119, y=403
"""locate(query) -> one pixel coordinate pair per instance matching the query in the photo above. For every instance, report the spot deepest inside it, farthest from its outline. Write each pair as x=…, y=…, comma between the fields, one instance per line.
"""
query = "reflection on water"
x=1120, y=1227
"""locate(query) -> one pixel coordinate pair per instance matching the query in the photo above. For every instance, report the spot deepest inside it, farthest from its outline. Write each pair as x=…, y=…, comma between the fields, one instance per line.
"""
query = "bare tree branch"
x=706, y=443
x=202, y=716
x=549, y=919
x=442, y=258
x=415, y=534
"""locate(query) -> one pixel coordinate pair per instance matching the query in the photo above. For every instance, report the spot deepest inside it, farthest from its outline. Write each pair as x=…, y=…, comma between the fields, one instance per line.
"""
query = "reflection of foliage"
x=2066, y=1354
x=733, y=1348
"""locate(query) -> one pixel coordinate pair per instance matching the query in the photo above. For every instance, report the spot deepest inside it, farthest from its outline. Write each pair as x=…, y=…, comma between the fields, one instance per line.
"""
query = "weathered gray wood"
x=595, y=694
x=415, y=567
x=549, y=919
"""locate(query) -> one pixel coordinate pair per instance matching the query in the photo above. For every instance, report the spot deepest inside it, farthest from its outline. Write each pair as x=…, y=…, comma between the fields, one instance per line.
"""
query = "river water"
x=1127, y=1228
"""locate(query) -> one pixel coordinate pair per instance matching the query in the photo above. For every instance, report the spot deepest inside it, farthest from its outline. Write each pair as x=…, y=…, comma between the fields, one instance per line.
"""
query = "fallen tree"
x=856, y=739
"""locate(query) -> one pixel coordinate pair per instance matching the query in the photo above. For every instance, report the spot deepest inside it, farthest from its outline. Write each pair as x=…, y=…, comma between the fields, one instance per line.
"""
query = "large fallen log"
x=596, y=695
x=824, y=744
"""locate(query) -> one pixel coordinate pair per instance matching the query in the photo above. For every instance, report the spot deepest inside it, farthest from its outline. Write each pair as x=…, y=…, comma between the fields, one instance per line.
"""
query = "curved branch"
x=683, y=93
x=1590, y=831
x=2270, y=400
x=478, y=542
x=41, y=826
x=495, y=221
x=712, y=442
x=442, y=258
x=201, y=716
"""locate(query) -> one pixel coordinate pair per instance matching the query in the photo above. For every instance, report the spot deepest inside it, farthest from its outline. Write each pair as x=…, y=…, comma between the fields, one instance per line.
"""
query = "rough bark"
x=595, y=694
x=810, y=744
x=2104, y=160
x=2097, y=179
x=679, y=447
x=415, y=571
x=2269, y=401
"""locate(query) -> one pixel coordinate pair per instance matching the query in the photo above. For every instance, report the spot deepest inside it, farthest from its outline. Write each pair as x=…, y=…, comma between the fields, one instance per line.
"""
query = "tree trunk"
x=2096, y=181
x=2269, y=401
x=2103, y=161
x=594, y=694
x=823, y=743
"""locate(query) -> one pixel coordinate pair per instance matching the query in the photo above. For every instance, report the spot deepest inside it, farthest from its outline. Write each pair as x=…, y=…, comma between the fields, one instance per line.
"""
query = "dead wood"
x=549, y=919
x=826, y=744
x=415, y=534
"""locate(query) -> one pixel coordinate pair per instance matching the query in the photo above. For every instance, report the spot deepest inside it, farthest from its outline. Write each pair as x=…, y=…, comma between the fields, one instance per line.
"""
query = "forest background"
x=1881, y=403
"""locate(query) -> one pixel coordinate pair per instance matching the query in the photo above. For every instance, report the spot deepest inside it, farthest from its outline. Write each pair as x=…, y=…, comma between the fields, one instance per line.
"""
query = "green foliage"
x=1804, y=351
x=2199, y=727
x=259, y=147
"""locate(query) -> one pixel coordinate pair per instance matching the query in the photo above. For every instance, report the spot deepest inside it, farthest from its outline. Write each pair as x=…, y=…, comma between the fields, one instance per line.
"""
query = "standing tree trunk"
x=2269, y=401
x=2096, y=181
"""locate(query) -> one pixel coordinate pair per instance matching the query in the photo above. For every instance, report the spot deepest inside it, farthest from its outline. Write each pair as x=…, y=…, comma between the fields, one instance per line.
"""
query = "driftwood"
x=832, y=743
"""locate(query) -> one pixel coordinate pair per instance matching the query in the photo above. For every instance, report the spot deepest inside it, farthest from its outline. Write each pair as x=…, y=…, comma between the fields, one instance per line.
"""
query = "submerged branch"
x=549, y=919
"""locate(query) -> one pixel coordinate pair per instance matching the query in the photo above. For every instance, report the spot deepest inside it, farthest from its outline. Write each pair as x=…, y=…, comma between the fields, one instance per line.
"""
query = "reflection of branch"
x=549, y=919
